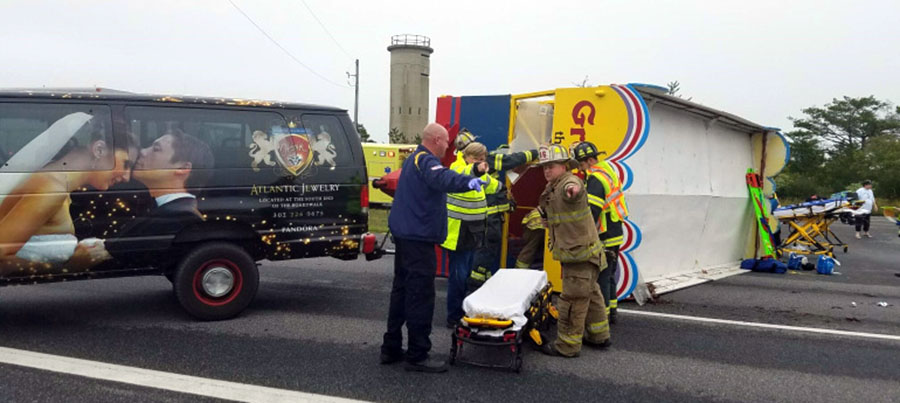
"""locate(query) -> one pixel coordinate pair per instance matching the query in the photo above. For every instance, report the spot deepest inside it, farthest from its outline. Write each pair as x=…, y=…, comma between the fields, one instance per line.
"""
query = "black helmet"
x=584, y=150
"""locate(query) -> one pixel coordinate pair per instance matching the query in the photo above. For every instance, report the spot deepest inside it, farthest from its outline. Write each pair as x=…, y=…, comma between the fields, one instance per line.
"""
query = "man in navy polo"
x=418, y=221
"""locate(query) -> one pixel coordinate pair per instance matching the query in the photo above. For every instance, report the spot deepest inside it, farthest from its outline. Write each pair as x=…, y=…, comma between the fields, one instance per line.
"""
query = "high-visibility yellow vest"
x=614, y=202
x=467, y=206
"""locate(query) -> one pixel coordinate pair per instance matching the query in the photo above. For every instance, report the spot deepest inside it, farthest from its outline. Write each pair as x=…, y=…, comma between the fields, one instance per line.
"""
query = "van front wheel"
x=216, y=281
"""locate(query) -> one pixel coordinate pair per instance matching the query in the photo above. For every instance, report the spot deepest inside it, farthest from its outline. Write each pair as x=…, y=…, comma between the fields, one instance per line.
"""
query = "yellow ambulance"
x=382, y=159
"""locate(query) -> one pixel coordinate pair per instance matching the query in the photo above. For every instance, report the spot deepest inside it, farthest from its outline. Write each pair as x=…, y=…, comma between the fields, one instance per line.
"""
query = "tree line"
x=837, y=146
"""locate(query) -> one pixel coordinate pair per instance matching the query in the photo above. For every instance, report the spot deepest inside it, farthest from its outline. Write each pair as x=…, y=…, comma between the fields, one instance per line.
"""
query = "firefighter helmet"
x=463, y=138
x=553, y=153
x=584, y=150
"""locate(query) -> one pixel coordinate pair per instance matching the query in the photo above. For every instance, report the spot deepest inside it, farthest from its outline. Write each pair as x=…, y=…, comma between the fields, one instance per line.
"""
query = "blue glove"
x=476, y=184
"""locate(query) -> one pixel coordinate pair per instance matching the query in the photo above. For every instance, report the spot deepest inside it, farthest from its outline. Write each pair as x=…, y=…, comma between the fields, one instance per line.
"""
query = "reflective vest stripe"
x=532, y=220
x=453, y=200
x=500, y=208
x=614, y=241
x=596, y=200
x=463, y=216
x=614, y=303
x=598, y=327
x=470, y=206
x=574, y=216
x=615, y=198
x=498, y=162
x=582, y=256
x=574, y=339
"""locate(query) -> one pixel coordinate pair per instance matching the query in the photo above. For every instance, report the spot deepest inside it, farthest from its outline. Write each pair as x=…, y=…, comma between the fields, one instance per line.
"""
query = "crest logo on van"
x=295, y=149
x=292, y=151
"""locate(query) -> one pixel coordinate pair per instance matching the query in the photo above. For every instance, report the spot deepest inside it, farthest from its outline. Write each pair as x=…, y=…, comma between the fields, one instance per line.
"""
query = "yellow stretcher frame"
x=813, y=233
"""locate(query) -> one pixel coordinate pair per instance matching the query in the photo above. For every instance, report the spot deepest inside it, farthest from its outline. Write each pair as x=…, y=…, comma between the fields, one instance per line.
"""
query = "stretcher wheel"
x=518, y=365
x=845, y=249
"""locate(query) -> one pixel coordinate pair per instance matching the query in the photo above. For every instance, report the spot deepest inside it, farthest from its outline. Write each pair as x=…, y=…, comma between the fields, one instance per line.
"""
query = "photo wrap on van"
x=284, y=184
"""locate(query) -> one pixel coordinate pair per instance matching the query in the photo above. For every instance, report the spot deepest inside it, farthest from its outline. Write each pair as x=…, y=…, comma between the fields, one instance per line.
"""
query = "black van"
x=102, y=183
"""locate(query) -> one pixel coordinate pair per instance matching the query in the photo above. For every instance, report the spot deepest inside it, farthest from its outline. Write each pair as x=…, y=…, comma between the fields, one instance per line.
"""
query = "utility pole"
x=356, y=95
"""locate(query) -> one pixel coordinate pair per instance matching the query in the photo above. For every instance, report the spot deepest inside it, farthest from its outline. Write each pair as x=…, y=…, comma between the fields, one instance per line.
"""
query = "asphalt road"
x=316, y=327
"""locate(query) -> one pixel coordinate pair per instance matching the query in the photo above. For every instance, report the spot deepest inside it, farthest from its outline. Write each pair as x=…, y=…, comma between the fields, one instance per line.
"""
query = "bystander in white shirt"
x=868, y=197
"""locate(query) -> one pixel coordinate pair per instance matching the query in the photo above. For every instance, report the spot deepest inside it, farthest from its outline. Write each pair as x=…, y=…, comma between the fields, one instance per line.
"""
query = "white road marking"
x=159, y=380
x=764, y=325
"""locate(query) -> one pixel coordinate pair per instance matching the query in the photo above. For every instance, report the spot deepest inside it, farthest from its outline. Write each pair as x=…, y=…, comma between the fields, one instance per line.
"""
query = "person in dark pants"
x=869, y=206
x=487, y=259
x=607, y=200
x=418, y=221
x=465, y=227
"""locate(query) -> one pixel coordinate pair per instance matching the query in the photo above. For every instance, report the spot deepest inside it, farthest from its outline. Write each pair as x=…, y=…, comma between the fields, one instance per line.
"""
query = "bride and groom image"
x=37, y=230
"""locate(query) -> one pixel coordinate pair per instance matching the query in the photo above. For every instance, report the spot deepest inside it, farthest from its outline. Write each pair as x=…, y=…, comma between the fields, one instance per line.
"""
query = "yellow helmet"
x=463, y=138
x=553, y=153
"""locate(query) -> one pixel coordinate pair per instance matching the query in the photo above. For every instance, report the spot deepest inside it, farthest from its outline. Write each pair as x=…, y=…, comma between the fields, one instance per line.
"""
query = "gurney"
x=511, y=304
x=810, y=222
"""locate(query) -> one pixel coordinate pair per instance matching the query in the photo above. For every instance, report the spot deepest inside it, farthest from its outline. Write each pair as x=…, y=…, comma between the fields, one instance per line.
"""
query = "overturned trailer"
x=682, y=164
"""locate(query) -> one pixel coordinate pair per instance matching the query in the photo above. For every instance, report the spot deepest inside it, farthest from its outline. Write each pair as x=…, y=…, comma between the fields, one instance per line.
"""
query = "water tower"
x=410, y=61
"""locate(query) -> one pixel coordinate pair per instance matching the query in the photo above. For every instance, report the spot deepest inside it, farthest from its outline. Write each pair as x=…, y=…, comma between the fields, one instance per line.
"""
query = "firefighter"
x=418, y=221
x=463, y=138
x=609, y=210
x=466, y=213
x=575, y=244
x=487, y=259
x=533, y=233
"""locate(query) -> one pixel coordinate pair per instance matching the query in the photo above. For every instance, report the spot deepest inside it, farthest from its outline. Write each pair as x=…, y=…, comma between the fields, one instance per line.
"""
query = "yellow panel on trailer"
x=382, y=159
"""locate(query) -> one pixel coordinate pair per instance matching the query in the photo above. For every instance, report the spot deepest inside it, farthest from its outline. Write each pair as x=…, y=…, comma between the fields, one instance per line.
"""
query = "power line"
x=326, y=29
x=282, y=47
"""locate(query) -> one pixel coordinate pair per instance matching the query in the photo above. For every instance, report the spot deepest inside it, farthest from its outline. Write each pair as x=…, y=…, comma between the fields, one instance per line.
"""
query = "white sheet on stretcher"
x=810, y=209
x=506, y=295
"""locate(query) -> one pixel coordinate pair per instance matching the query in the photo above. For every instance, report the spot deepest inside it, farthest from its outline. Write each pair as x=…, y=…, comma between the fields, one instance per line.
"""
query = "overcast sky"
x=762, y=60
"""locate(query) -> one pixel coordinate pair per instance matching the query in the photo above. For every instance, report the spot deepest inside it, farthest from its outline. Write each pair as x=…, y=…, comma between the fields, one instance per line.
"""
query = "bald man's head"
x=435, y=139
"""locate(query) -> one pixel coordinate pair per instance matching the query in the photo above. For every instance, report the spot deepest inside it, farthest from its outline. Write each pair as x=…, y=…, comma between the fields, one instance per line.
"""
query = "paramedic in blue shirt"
x=418, y=221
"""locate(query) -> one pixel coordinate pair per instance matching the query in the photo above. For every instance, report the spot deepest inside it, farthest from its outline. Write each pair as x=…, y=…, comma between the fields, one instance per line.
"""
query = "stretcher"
x=511, y=305
x=809, y=223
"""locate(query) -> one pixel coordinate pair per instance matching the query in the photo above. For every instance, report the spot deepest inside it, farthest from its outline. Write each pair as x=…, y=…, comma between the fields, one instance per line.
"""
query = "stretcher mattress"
x=506, y=295
x=813, y=208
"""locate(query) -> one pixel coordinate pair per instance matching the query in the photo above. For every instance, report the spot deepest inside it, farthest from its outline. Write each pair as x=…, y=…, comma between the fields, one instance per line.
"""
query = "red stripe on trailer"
x=638, y=121
x=442, y=113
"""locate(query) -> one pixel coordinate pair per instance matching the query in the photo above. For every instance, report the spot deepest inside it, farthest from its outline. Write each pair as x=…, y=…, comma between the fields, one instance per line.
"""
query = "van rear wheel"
x=216, y=281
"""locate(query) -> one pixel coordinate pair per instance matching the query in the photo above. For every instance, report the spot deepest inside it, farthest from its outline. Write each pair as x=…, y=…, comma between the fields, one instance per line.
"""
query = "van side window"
x=232, y=136
x=328, y=140
x=55, y=137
